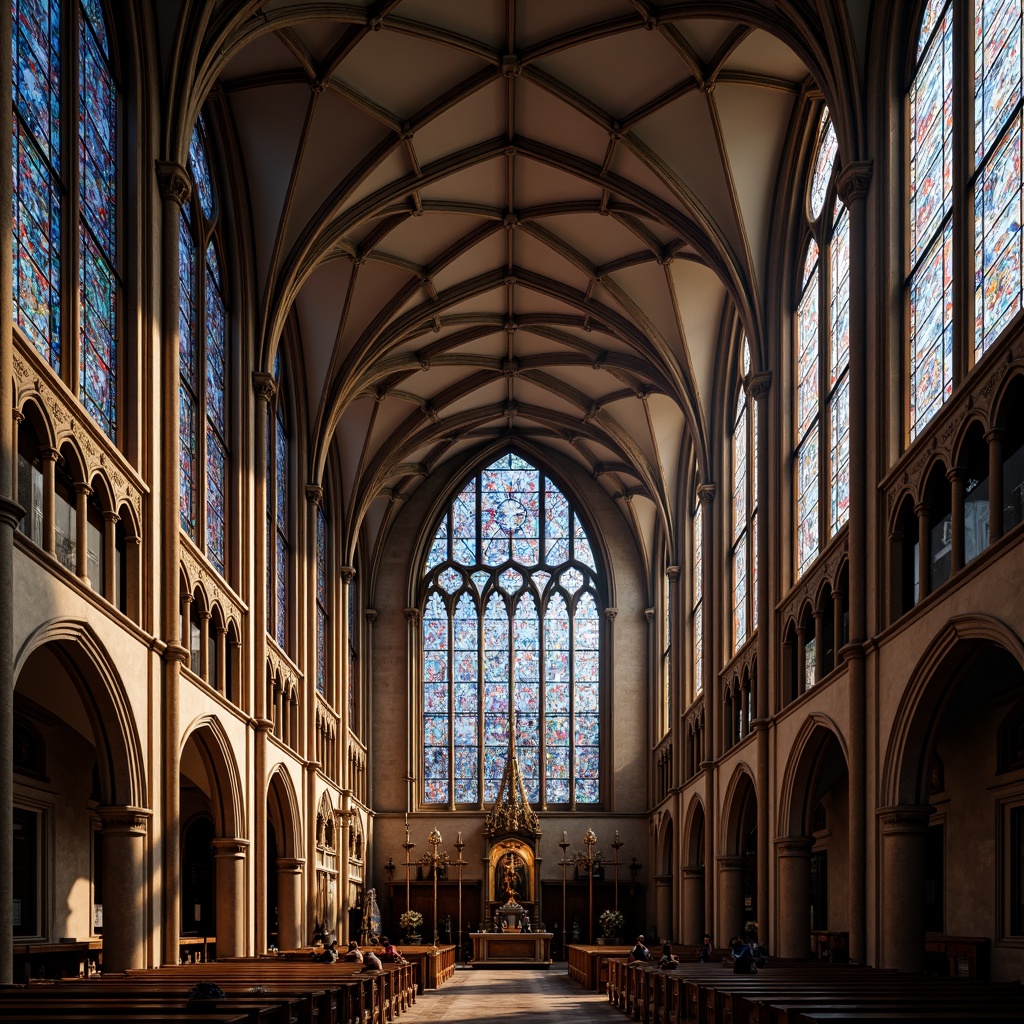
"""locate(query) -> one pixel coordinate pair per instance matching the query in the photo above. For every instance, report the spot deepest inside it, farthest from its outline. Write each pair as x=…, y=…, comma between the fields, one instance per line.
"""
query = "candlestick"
x=460, y=838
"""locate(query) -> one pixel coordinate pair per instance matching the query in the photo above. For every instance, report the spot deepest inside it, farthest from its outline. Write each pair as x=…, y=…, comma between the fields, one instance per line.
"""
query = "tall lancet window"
x=203, y=364
x=322, y=617
x=54, y=45
x=512, y=630
x=743, y=551
x=821, y=414
x=278, y=510
x=697, y=590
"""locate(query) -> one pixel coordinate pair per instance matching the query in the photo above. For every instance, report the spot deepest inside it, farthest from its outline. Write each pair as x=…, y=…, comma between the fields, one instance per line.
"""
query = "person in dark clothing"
x=640, y=951
x=742, y=958
x=706, y=950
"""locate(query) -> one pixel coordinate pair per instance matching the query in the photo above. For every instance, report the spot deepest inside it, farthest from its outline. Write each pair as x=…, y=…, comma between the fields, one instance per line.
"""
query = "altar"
x=511, y=949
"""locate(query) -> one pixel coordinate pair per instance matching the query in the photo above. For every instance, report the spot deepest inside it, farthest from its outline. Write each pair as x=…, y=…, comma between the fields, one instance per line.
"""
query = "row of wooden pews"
x=803, y=992
x=259, y=990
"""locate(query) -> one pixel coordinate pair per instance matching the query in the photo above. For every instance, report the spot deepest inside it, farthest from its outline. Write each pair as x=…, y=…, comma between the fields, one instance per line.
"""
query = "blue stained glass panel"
x=556, y=524
x=997, y=68
x=467, y=697
x=823, y=164
x=931, y=332
x=496, y=697
x=97, y=142
x=581, y=545
x=840, y=305
x=739, y=466
x=450, y=580
x=839, y=456
x=435, y=698
x=739, y=592
x=35, y=46
x=321, y=556
x=36, y=256
x=439, y=547
x=321, y=651
x=216, y=357
x=435, y=730
x=464, y=525
x=199, y=168
x=807, y=501
x=928, y=22
x=187, y=355
x=188, y=477
x=807, y=358
x=98, y=299
x=216, y=500
x=282, y=590
x=556, y=732
x=997, y=235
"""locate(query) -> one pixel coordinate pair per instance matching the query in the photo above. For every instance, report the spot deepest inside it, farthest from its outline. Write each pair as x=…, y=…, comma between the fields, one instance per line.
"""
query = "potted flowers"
x=611, y=922
x=411, y=922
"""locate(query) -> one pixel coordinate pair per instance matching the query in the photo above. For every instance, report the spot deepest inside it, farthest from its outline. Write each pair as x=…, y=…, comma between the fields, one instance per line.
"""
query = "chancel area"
x=511, y=476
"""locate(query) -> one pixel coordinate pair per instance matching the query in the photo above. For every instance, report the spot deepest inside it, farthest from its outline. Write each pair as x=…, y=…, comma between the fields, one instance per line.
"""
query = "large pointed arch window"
x=697, y=591
x=203, y=366
x=821, y=414
x=278, y=510
x=512, y=629
x=322, y=615
x=962, y=99
x=55, y=44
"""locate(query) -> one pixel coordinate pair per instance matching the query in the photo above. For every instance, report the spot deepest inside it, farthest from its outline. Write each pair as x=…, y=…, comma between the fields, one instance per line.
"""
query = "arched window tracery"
x=511, y=622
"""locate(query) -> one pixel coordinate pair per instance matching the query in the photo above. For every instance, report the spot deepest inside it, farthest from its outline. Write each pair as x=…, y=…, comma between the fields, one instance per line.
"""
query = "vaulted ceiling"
x=525, y=219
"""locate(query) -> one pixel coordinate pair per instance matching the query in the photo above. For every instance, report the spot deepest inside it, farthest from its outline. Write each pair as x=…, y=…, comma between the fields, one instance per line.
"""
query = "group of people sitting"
x=370, y=959
x=746, y=956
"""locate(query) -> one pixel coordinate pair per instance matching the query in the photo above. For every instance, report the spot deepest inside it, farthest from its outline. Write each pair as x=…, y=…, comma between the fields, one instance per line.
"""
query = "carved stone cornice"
x=853, y=181
x=198, y=572
x=264, y=385
x=173, y=181
x=129, y=820
x=230, y=847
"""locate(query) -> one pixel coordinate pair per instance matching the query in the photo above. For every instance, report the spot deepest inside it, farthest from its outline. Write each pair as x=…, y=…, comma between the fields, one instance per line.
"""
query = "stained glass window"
x=203, y=366
x=49, y=49
x=321, y=600
x=740, y=481
x=697, y=611
x=281, y=526
x=821, y=454
x=931, y=204
x=511, y=624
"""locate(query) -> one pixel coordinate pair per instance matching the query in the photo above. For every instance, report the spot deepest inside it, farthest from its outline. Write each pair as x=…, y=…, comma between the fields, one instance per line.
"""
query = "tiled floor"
x=512, y=996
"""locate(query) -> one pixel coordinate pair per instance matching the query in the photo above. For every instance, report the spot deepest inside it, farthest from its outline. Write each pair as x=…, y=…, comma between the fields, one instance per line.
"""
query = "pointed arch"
x=216, y=752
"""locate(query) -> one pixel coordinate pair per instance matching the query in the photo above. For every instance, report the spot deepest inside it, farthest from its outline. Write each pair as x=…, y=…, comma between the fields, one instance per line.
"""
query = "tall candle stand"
x=407, y=846
x=564, y=863
x=616, y=846
x=460, y=864
x=589, y=838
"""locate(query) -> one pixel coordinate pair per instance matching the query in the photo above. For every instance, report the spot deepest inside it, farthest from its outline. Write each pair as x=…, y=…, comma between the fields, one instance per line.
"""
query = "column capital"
x=995, y=434
x=293, y=864
x=175, y=652
x=672, y=572
x=731, y=863
x=11, y=513
x=230, y=847
x=347, y=573
x=314, y=494
x=794, y=846
x=370, y=615
x=264, y=385
x=853, y=181
x=760, y=385
x=649, y=615
x=412, y=616
x=130, y=820
x=904, y=818
x=706, y=493
x=611, y=614
x=173, y=181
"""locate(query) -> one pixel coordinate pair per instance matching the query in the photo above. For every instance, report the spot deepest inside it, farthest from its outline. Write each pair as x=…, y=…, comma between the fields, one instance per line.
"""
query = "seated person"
x=668, y=958
x=742, y=957
x=371, y=962
x=330, y=954
x=706, y=950
x=390, y=954
x=640, y=951
x=354, y=953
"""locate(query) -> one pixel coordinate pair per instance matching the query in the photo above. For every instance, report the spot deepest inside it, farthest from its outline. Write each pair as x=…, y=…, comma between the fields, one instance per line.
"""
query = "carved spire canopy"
x=512, y=811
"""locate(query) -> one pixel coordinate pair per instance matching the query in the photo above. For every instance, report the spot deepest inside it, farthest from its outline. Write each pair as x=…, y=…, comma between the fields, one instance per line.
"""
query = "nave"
x=516, y=997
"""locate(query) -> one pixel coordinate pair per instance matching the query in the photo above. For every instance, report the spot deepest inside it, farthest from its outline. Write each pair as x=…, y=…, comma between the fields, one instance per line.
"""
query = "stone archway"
x=948, y=773
x=812, y=849
x=693, y=871
x=283, y=861
x=738, y=899
x=72, y=701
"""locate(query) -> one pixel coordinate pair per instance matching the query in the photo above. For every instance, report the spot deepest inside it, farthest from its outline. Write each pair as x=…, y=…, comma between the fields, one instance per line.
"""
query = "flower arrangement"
x=410, y=921
x=611, y=922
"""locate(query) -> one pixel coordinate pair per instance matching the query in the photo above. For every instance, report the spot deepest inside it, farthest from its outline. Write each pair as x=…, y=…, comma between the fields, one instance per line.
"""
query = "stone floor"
x=512, y=996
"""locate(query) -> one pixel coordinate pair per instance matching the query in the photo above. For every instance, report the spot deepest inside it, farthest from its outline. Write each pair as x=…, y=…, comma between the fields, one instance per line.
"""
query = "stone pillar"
x=994, y=437
x=220, y=684
x=348, y=575
x=693, y=906
x=110, y=521
x=924, y=567
x=819, y=646
x=175, y=188
x=289, y=902
x=124, y=887
x=229, y=868
x=663, y=905
x=706, y=497
x=412, y=644
x=48, y=457
x=903, y=846
x=837, y=626
x=204, y=646
x=676, y=697
x=82, y=492
x=794, y=925
x=730, y=898
x=264, y=389
x=801, y=659
x=957, y=484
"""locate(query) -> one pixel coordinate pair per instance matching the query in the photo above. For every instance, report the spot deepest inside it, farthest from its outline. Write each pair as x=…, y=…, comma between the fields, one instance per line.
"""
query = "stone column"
x=801, y=659
x=903, y=844
x=48, y=457
x=110, y=521
x=693, y=905
x=663, y=905
x=264, y=389
x=854, y=181
x=220, y=684
x=794, y=924
x=412, y=642
x=229, y=869
x=204, y=646
x=819, y=646
x=730, y=899
x=175, y=188
x=348, y=575
x=706, y=497
x=924, y=567
x=994, y=437
x=676, y=697
x=82, y=492
x=289, y=902
x=958, y=487
x=124, y=887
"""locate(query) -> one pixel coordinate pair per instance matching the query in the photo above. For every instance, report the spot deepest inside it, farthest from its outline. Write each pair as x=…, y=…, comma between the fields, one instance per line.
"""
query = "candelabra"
x=460, y=864
x=434, y=860
x=407, y=846
x=589, y=838
x=616, y=846
x=564, y=863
